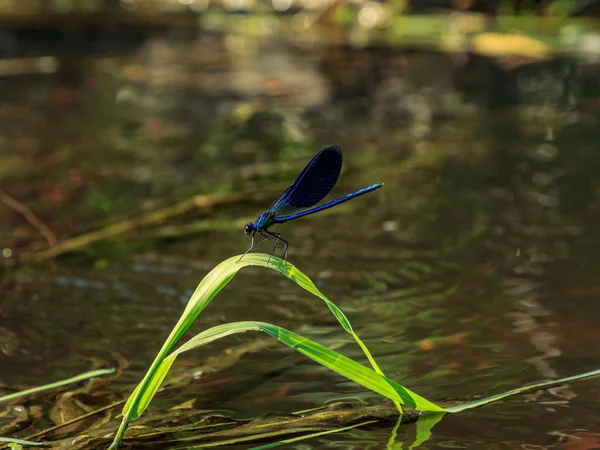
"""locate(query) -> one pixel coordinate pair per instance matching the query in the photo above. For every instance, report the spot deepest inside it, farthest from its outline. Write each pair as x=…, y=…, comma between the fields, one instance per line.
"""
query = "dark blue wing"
x=312, y=185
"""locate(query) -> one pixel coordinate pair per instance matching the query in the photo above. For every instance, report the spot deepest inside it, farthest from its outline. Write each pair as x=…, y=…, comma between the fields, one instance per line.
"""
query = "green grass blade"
x=324, y=356
x=20, y=442
x=210, y=286
x=57, y=384
x=350, y=369
x=312, y=435
x=521, y=390
x=150, y=390
x=328, y=358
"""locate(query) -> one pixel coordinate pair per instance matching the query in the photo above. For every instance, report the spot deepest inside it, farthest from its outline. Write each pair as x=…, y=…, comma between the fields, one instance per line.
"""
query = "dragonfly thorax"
x=264, y=221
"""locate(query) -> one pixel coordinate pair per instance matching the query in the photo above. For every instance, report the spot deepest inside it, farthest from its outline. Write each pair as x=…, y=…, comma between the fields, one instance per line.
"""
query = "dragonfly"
x=312, y=185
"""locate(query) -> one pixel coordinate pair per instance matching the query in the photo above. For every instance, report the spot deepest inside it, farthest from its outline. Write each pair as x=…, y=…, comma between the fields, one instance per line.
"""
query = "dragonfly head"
x=249, y=228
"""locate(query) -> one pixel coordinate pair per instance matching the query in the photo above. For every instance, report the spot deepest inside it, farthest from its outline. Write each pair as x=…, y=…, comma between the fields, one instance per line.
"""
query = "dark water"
x=473, y=271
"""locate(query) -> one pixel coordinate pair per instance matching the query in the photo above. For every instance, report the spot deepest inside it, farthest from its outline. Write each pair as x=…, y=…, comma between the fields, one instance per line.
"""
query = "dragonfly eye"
x=249, y=228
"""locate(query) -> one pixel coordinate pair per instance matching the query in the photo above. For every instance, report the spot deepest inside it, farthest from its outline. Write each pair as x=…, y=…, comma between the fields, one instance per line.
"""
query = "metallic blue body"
x=264, y=221
x=312, y=185
x=331, y=204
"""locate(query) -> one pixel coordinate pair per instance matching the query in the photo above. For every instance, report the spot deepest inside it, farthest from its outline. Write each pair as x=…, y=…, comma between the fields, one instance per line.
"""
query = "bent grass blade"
x=521, y=390
x=374, y=379
x=315, y=351
x=208, y=288
x=311, y=436
x=57, y=384
x=211, y=285
x=20, y=442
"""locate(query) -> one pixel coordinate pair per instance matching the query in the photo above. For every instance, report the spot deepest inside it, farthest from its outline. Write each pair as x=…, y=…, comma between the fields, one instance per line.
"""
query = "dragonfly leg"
x=252, y=246
x=269, y=235
x=278, y=238
x=250, y=249
x=285, y=248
